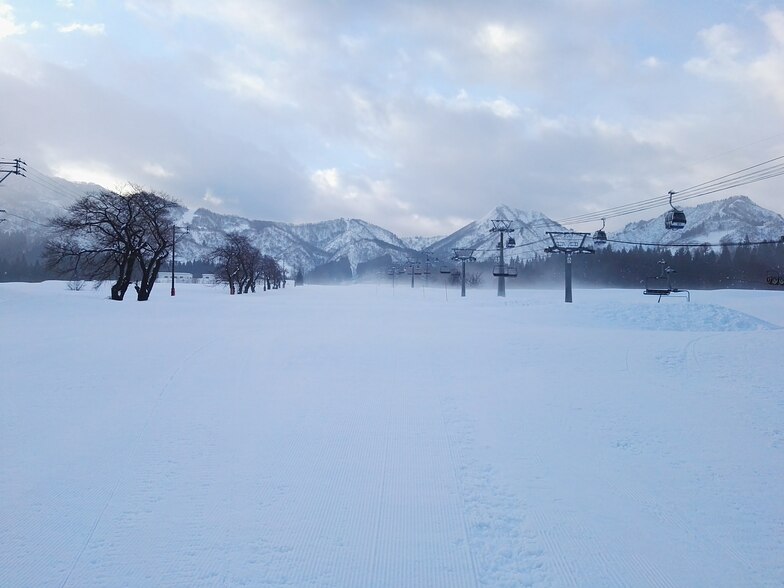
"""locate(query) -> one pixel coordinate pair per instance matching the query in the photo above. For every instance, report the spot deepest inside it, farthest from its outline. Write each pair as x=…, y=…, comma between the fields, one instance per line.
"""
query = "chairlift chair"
x=675, y=218
x=445, y=269
x=505, y=271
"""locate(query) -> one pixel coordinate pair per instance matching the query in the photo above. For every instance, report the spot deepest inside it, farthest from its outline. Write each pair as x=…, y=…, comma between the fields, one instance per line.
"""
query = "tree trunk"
x=117, y=291
x=124, y=280
x=149, y=275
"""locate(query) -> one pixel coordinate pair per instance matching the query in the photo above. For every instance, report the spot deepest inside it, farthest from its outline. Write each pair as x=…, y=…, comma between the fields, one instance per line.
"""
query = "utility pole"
x=175, y=228
x=463, y=255
x=502, y=226
x=14, y=166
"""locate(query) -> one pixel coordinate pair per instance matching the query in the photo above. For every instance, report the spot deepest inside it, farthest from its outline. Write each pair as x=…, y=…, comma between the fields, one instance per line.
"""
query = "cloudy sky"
x=418, y=116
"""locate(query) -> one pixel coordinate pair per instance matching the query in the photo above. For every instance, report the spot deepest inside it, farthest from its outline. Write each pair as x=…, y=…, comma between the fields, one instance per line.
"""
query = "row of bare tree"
x=241, y=265
x=126, y=238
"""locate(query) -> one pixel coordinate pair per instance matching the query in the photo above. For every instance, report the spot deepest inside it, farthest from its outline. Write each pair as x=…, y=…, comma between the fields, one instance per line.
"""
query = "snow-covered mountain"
x=29, y=203
x=530, y=234
x=730, y=220
x=420, y=243
x=297, y=245
x=351, y=243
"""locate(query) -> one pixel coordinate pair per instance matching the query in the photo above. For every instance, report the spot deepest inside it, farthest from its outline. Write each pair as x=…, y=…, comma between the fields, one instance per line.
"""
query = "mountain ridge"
x=353, y=243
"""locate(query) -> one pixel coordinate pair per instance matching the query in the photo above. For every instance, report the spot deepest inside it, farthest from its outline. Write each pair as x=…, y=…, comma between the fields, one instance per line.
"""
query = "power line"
x=735, y=244
x=48, y=182
x=24, y=218
x=771, y=168
x=515, y=246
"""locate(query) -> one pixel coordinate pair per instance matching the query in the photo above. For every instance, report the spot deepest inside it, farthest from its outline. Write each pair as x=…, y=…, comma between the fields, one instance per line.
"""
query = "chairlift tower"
x=429, y=258
x=415, y=267
x=569, y=243
x=502, y=226
x=463, y=255
x=393, y=270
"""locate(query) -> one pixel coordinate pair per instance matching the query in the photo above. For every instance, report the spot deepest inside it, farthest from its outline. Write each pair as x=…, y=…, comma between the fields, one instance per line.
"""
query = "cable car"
x=675, y=218
x=510, y=242
x=600, y=236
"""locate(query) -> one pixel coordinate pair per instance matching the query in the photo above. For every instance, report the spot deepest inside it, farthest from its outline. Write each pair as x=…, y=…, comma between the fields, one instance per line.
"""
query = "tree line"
x=241, y=265
x=743, y=266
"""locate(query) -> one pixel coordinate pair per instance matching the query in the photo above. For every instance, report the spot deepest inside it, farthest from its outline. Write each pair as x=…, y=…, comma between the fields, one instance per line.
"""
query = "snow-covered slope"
x=305, y=245
x=729, y=220
x=29, y=203
x=420, y=243
x=356, y=437
x=530, y=233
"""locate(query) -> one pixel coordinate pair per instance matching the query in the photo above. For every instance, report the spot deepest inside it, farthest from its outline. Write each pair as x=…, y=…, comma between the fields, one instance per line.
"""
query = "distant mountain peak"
x=731, y=219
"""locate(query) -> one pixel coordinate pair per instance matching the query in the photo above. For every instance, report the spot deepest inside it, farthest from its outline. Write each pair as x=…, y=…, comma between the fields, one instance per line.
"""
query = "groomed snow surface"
x=357, y=436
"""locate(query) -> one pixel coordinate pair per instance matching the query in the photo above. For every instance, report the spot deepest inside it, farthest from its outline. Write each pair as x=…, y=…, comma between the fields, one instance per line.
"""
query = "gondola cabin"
x=600, y=236
x=510, y=242
x=675, y=219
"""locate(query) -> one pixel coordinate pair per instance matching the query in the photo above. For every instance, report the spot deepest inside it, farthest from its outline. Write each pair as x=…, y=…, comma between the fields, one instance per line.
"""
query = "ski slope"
x=357, y=436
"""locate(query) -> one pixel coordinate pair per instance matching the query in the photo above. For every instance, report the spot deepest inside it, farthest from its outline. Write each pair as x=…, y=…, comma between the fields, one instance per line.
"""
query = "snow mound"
x=686, y=316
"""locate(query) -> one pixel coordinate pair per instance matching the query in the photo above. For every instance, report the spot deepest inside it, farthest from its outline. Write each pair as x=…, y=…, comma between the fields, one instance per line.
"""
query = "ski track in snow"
x=341, y=437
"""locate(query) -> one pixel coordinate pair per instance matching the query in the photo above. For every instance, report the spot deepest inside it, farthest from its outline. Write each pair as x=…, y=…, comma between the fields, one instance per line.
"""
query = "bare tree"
x=234, y=259
x=155, y=219
x=272, y=273
x=105, y=235
x=226, y=260
x=241, y=265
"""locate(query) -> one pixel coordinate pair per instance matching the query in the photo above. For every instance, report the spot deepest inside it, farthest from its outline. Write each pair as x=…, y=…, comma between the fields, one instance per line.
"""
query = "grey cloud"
x=427, y=112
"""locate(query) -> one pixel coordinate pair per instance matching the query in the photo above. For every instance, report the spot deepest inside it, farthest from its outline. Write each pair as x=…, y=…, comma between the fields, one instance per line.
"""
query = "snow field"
x=360, y=436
